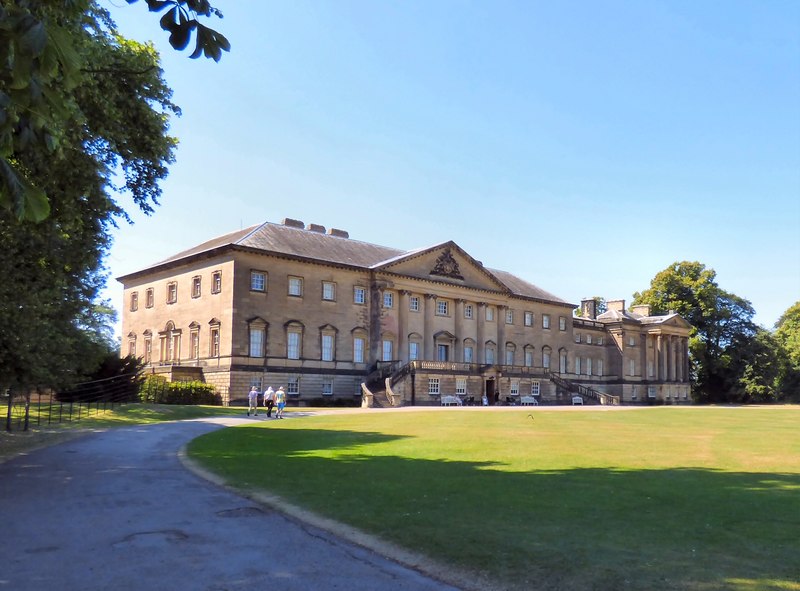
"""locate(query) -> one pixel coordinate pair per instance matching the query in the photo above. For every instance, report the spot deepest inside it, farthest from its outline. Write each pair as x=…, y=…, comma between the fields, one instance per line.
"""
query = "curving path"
x=117, y=510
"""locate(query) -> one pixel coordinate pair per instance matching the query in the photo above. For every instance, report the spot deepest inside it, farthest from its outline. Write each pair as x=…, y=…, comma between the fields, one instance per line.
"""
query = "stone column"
x=375, y=308
x=480, y=354
x=643, y=356
x=501, y=334
x=686, y=359
x=659, y=358
x=402, y=327
x=427, y=331
x=458, y=328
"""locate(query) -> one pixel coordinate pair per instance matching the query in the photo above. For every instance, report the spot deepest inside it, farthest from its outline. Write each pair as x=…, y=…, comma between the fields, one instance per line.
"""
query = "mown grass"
x=17, y=441
x=664, y=498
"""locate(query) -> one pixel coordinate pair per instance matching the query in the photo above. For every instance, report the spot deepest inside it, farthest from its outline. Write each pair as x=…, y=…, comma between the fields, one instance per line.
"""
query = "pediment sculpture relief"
x=446, y=266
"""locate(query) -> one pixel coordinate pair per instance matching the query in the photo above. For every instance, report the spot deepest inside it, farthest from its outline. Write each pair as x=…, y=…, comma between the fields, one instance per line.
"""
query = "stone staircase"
x=585, y=392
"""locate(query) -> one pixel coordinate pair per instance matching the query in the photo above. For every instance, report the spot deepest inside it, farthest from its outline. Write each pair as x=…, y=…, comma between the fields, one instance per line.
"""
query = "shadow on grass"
x=580, y=528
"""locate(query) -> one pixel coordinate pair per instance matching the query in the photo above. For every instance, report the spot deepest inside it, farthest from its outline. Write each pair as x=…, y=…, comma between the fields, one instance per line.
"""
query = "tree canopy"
x=733, y=360
x=44, y=59
x=108, y=126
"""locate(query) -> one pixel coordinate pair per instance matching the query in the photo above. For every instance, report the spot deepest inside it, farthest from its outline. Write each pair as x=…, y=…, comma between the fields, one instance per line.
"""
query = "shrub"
x=157, y=390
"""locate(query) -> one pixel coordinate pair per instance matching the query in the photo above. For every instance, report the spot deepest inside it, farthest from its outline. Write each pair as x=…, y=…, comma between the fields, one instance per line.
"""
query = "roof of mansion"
x=334, y=247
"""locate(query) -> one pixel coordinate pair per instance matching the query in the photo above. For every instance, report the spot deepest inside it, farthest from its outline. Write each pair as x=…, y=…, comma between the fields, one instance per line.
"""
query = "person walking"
x=252, y=401
x=269, y=400
x=280, y=401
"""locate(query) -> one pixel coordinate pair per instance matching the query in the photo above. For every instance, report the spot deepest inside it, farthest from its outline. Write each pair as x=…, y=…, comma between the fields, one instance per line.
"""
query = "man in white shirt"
x=269, y=400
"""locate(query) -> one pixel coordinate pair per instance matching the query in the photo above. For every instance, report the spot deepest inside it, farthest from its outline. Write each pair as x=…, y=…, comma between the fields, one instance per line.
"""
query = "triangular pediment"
x=447, y=263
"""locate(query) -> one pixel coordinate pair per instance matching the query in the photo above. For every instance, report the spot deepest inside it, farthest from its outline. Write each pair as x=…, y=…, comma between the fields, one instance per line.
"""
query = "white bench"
x=528, y=401
x=449, y=400
x=577, y=400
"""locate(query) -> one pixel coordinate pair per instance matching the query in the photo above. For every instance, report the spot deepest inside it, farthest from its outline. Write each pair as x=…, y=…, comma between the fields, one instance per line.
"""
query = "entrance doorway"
x=490, y=391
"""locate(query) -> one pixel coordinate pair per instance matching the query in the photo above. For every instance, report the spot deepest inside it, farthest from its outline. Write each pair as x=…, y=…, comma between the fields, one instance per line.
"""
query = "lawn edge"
x=467, y=581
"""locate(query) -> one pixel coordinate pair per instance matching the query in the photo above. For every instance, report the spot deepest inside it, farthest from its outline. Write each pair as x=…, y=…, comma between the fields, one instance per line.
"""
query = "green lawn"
x=661, y=498
x=43, y=434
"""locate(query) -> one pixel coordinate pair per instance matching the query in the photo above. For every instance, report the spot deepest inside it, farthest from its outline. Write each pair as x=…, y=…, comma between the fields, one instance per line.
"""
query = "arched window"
x=511, y=351
x=546, y=357
x=414, y=346
x=170, y=340
x=469, y=351
x=327, y=342
x=214, y=338
x=529, y=352
x=294, y=339
x=257, y=337
x=489, y=352
x=387, y=346
x=359, y=345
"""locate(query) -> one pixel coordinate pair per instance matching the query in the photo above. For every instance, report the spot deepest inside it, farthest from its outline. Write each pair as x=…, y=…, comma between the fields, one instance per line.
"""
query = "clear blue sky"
x=584, y=146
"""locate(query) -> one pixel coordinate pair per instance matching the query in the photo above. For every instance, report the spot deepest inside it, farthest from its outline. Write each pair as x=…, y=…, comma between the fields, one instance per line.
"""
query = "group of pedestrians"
x=272, y=399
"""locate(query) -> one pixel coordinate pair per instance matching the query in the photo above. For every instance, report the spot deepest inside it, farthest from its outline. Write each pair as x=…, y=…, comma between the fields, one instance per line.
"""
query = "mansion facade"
x=327, y=316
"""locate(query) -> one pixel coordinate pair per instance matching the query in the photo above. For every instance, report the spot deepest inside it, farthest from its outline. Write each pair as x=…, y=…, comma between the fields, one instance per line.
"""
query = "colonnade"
x=670, y=357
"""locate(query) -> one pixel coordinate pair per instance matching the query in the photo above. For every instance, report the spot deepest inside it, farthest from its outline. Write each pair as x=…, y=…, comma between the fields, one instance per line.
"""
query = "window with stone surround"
x=296, y=286
x=546, y=321
x=293, y=386
x=172, y=292
x=489, y=314
x=196, y=286
x=216, y=282
x=327, y=386
x=359, y=295
x=149, y=298
x=468, y=311
x=134, y=301
x=258, y=281
x=528, y=318
x=413, y=303
x=388, y=299
x=329, y=291
x=546, y=357
x=562, y=323
x=442, y=307
x=509, y=316
x=433, y=386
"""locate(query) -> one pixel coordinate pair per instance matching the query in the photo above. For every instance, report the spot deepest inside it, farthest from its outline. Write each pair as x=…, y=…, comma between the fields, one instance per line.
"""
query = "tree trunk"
x=8, y=414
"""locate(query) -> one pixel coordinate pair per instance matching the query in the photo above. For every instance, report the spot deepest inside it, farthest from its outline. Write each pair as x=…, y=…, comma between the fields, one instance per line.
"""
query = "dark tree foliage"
x=108, y=121
x=723, y=327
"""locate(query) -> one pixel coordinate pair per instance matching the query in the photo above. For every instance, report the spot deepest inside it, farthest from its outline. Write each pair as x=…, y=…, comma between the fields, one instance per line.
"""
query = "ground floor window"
x=327, y=386
x=461, y=385
x=534, y=388
x=433, y=386
x=293, y=386
x=514, y=387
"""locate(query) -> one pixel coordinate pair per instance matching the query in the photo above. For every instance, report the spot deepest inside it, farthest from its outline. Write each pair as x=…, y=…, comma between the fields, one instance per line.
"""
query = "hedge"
x=157, y=390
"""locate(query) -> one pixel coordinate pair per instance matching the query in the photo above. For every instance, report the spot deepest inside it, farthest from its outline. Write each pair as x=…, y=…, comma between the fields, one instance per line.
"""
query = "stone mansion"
x=321, y=314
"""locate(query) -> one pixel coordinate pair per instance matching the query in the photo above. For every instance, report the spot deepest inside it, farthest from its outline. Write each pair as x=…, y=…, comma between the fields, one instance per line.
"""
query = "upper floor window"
x=256, y=341
x=196, y=286
x=172, y=292
x=528, y=357
x=359, y=344
x=328, y=291
x=387, y=350
x=258, y=281
x=546, y=357
x=388, y=299
x=296, y=286
x=469, y=353
x=545, y=320
x=327, y=347
x=134, y=301
x=631, y=341
x=599, y=340
x=359, y=295
x=413, y=303
x=588, y=339
x=562, y=323
x=577, y=337
x=489, y=313
x=413, y=351
x=509, y=316
x=468, y=311
x=528, y=318
x=149, y=298
x=442, y=308
x=214, y=341
x=293, y=344
x=216, y=282
x=194, y=343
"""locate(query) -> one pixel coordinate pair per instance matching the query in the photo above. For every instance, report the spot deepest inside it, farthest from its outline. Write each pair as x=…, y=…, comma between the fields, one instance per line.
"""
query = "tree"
x=787, y=334
x=42, y=65
x=113, y=119
x=722, y=325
